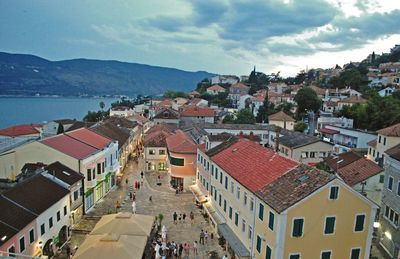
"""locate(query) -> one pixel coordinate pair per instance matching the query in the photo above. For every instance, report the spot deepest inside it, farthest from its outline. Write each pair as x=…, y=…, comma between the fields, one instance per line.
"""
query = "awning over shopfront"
x=198, y=194
x=215, y=216
x=234, y=242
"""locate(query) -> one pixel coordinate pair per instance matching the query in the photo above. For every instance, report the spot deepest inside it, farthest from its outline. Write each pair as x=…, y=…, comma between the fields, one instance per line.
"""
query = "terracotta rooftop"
x=121, y=108
x=216, y=88
x=392, y=131
x=170, y=128
x=250, y=164
x=112, y=131
x=156, y=139
x=293, y=139
x=358, y=171
x=354, y=99
x=240, y=86
x=37, y=193
x=318, y=90
x=372, y=143
x=165, y=103
x=329, y=131
x=194, y=111
x=194, y=93
x=394, y=152
x=166, y=113
x=20, y=130
x=90, y=138
x=180, y=142
x=80, y=124
x=121, y=122
x=195, y=101
x=344, y=158
x=280, y=116
x=331, y=104
x=293, y=186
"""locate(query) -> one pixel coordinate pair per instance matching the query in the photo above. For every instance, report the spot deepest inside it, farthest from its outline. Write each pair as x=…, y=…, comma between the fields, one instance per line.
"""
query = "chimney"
x=251, y=136
x=241, y=134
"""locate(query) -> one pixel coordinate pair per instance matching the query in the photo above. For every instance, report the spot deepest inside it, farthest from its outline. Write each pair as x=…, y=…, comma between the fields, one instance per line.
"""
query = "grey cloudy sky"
x=220, y=36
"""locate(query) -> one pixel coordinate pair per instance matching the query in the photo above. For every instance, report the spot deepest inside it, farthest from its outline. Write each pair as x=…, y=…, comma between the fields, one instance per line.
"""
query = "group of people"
x=182, y=217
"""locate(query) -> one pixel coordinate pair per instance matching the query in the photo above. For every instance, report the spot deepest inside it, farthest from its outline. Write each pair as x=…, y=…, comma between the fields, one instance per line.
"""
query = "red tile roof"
x=170, y=128
x=280, y=116
x=90, y=138
x=194, y=111
x=251, y=165
x=394, y=152
x=354, y=99
x=343, y=159
x=240, y=86
x=180, y=142
x=156, y=139
x=358, y=171
x=69, y=146
x=392, y=131
x=329, y=131
x=20, y=130
x=216, y=88
x=372, y=143
x=195, y=101
x=194, y=93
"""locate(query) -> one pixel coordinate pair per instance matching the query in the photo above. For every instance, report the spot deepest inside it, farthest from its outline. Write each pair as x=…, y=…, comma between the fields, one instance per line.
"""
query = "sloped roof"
x=343, y=159
x=240, y=86
x=297, y=139
x=170, y=128
x=293, y=186
x=65, y=121
x=358, y=171
x=113, y=132
x=180, y=142
x=195, y=101
x=372, y=143
x=392, y=131
x=194, y=111
x=394, y=152
x=19, y=130
x=36, y=193
x=280, y=116
x=172, y=114
x=329, y=131
x=354, y=99
x=194, y=93
x=90, y=138
x=121, y=122
x=64, y=173
x=80, y=124
x=216, y=88
x=156, y=139
x=251, y=165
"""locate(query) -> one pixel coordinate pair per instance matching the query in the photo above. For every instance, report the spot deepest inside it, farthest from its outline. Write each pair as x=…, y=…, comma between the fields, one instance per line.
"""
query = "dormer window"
x=166, y=114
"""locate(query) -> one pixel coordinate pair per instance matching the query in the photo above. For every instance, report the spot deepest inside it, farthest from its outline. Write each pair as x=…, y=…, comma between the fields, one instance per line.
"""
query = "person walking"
x=201, y=237
x=141, y=174
x=130, y=196
x=184, y=217
x=126, y=181
x=205, y=236
x=150, y=198
x=174, y=216
x=138, y=185
x=186, y=248
x=180, y=218
x=134, y=196
x=191, y=217
x=180, y=250
x=195, y=247
x=134, y=207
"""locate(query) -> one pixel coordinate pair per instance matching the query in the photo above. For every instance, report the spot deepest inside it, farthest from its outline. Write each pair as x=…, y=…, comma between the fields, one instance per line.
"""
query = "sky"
x=218, y=36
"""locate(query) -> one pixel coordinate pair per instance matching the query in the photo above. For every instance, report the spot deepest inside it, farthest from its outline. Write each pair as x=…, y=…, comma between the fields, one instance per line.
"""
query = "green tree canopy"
x=306, y=99
x=245, y=116
x=300, y=126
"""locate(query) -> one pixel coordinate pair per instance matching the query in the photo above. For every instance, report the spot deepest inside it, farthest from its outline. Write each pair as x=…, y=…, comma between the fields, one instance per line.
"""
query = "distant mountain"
x=22, y=74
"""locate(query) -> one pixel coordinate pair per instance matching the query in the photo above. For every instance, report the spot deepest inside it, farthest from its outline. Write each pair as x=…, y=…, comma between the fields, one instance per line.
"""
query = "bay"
x=26, y=110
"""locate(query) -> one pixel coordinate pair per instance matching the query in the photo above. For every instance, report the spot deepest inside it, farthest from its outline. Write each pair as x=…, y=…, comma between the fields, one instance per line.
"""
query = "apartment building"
x=386, y=139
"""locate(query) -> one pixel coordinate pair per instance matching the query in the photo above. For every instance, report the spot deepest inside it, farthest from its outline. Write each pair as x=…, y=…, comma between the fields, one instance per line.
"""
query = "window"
x=103, y=167
x=251, y=204
x=11, y=251
x=152, y=152
x=297, y=227
x=226, y=182
x=220, y=177
x=398, y=188
x=294, y=256
x=65, y=210
x=232, y=187
x=243, y=225
x=42, y=229
x=326, y=255
x=359, y=223
x=236, y=219
x=22, y=244
x=271, y=220
x=381, y=178
x=250, y=232
x=201, y=159
x=258, y=244
x=379, y=139
x=230, y=212
x=334, y=193
x=238, y=192
x=58, y=216
x=212, y=170
x=50, y=222
x=176, y=161
x=355, y=253
x=220, y=200
x=224, y=205
x=208, y=166
x=261, y=212
x=268, y=253
x=76, y=195
x=98, y=168
x=329, y=225
x=89, y=175
x=198, y=157
x=31, y=236
x=384, y=141
x=216, y=173
x=161, y=152
x=245, y=199
x=215, y=194
x=390, y=183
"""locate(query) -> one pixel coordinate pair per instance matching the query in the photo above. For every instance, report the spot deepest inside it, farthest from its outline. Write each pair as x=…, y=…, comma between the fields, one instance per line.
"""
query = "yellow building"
x=386, y=139
x=308, y=213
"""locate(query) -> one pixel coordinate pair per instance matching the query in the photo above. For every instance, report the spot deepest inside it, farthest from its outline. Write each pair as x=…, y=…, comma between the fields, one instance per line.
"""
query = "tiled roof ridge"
x=66, y=134
x=224, y=145
x=19, y=205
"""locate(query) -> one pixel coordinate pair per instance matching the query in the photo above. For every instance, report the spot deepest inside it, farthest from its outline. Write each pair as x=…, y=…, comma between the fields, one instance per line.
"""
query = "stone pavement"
x=164, y=201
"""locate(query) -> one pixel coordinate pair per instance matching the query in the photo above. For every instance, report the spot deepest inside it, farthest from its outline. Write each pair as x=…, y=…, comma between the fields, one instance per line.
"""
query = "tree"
x=228, y=119
x=265, y=110
x=307, y=100
x=300, y=126
x=245, y=116
x=175, y=94
x=102, y=105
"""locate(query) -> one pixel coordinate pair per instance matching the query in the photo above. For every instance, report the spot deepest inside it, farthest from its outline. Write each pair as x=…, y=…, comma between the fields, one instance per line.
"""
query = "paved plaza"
x=164, y=201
